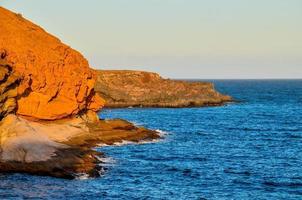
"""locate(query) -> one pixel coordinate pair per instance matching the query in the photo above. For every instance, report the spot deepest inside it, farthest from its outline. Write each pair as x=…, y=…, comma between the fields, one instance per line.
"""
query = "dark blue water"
x=247, y=150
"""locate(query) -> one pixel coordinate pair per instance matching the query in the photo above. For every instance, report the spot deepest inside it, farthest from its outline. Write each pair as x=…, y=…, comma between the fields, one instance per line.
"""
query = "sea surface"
x=246, y=150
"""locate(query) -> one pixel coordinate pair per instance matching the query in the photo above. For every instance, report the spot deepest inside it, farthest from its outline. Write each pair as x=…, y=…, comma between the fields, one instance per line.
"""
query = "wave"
x=105, y=161
x=248, y=129
x=127, y=142
x=282, y=184
x=82, y=176
x=232, y=171
x=137, y=123
x=161, y=133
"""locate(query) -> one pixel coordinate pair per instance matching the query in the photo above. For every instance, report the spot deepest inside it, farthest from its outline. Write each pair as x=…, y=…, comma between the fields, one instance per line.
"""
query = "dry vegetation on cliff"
x=124, y=88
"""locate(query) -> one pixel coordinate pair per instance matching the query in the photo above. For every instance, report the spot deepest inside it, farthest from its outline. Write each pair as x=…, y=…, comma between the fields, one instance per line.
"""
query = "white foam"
x=161, y=133
x=126, y=142
x=82, y=176
x=149, y=141
x=101, y=172
x=123, y=143
x=105, y=160
x=137, y=124
x=103, y=145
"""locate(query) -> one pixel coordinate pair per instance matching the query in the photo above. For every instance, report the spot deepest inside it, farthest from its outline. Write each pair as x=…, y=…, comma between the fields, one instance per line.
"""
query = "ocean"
x=251, y=149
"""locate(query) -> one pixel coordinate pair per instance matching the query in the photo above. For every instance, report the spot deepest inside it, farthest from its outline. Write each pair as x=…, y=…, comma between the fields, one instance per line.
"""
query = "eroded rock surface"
x=25, y=141
x=56, y=81
x=124, y=88
x=61, y=148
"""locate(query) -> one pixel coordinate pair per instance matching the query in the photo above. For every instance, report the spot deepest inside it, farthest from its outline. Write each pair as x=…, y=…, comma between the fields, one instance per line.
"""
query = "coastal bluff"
x=48, y=106
x=126, y=88
x=55, y=80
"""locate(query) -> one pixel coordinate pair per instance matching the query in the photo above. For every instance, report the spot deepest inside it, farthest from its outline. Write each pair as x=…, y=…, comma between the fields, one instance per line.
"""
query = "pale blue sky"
x=178, y=38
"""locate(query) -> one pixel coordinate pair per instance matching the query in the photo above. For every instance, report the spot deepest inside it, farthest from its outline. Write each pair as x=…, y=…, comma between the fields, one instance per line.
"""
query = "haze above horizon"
x=196, y=39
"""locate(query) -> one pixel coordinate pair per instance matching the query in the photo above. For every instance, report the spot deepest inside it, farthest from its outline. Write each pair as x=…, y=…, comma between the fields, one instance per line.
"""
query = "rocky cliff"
x=55, y=80
x=124, y=88
x=48, y=120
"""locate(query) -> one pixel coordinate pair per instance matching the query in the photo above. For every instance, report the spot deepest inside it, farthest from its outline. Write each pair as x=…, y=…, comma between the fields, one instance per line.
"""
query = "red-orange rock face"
x=56, y=80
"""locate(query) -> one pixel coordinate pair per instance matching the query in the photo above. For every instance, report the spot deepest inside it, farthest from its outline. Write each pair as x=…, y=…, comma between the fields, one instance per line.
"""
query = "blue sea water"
x=246, y=150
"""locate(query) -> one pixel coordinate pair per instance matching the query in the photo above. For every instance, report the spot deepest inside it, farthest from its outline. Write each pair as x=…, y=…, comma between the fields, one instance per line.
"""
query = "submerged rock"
x=124, y=88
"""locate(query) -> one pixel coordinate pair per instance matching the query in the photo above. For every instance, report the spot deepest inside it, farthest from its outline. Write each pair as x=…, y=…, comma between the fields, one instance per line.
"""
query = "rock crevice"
x=9, y=82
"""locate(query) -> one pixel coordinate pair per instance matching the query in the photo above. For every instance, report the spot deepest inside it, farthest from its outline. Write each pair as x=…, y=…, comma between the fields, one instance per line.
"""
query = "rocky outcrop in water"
x=124, y=88
x=61, y=148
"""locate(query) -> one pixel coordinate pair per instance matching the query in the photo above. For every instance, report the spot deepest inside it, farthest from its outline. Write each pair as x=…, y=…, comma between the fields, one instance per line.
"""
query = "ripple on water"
x=249, y=150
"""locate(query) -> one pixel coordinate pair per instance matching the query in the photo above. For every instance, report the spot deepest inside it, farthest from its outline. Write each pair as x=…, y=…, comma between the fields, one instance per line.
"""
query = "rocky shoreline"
x=49, y=100
x=126, y=88
x=48, y=106
x=62, y=149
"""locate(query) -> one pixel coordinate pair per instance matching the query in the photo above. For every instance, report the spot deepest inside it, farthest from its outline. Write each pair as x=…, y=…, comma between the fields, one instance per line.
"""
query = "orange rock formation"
x=56, y=81
x=41, y=78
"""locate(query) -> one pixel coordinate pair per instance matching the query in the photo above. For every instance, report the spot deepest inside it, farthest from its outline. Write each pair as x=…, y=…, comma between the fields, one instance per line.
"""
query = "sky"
x=207, y=39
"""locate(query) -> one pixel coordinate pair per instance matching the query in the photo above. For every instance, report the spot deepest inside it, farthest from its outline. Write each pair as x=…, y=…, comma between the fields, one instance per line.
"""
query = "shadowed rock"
x=8, y=89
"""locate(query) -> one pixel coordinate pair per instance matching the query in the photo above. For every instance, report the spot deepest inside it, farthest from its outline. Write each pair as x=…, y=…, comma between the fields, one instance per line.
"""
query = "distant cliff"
x=125, y=88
